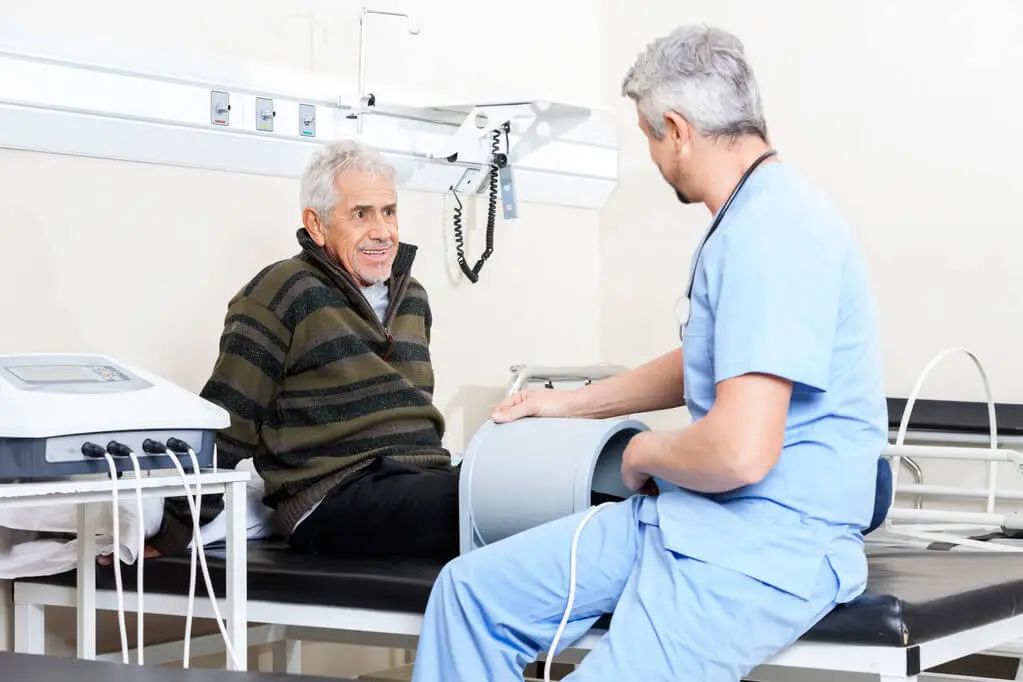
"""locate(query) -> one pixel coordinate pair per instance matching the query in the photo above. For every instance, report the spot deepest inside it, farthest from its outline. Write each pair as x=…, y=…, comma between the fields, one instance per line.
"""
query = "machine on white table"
x=66, y=416
x=59, y=415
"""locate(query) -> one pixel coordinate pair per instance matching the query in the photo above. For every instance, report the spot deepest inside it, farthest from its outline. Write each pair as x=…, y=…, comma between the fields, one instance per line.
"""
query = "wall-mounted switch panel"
x=508, y=198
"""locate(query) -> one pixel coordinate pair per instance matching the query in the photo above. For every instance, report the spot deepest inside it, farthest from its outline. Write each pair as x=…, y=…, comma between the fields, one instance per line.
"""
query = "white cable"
x=197, y=540
x=140, y=643
x=117, y=557
x=571, y=590
x=190, y=612
x=196, y=547
x=911, y=401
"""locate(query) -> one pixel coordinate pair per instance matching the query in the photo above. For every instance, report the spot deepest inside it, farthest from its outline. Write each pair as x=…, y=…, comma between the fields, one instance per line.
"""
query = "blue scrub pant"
x=494, y=609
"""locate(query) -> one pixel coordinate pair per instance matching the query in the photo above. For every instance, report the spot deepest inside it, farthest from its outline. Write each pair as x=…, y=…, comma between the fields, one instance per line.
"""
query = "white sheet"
x=23, y=554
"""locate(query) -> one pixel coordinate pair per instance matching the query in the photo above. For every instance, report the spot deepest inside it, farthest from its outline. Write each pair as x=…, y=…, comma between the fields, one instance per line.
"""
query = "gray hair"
x=318, y=188
x=702, y=74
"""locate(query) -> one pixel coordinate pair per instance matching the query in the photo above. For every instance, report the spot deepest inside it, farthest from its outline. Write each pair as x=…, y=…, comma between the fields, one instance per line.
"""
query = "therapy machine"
x=60, y=415
x=68, y=414
x=581, y=461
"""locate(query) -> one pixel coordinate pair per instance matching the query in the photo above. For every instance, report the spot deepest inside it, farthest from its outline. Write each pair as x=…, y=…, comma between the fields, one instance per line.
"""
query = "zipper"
x=363, y=303
x=392, y=304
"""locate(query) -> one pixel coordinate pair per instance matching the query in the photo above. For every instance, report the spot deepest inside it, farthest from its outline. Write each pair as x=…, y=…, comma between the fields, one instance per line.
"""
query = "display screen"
x=66, y=374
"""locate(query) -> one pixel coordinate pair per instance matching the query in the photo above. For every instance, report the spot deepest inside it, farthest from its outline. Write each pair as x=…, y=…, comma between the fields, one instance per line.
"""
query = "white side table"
x=87, y=493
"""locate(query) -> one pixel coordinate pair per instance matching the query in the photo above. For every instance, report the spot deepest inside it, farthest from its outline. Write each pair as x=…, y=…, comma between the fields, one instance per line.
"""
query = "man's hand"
x=657, y=385
x=634, y=477
x=542, y=402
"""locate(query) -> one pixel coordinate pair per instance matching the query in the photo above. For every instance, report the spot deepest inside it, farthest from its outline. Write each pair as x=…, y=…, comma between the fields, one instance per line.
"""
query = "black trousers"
x=389, y=509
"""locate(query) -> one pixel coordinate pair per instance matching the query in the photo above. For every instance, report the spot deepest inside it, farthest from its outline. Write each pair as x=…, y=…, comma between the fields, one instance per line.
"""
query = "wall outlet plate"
x=265, y=114
x=220, y=108
x=307, y=120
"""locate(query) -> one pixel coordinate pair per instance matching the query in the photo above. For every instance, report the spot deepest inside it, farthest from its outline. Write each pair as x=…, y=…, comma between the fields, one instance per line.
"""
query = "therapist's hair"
x=319, y=180
x=702, y=74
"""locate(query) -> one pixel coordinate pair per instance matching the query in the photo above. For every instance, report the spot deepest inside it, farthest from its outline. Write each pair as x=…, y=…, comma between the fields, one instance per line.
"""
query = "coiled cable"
x=497, y=161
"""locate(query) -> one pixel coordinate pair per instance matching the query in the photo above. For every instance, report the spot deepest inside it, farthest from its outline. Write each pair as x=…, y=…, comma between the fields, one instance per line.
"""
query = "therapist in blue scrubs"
x=748, y=524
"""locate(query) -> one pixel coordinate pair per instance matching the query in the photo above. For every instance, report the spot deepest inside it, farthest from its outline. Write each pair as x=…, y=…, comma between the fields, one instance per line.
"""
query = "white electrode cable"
x=190, y=611
x=196, y=534
x=153, y=447
x=197, y=542
x=117, y=556
x=121, y=450
x=571, y=589
x=140, y=643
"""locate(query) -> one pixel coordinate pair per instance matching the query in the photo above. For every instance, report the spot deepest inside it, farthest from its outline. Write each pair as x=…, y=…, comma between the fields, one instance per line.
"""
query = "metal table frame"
x=88, y=493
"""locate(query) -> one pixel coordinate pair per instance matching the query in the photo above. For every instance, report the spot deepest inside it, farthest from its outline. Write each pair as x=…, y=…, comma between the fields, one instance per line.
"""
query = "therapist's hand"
x=633, y=475
x=535, y=402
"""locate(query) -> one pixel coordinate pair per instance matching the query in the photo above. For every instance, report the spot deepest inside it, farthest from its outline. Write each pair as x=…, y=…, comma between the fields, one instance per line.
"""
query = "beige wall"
x=904, y=115
x=138, y=261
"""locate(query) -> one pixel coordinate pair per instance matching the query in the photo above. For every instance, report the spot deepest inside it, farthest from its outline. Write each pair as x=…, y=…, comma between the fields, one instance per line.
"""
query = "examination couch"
x=924, y=606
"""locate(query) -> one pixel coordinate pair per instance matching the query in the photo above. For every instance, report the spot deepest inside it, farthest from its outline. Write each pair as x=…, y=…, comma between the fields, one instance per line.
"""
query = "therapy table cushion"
x=956, y=416
x=913, y=595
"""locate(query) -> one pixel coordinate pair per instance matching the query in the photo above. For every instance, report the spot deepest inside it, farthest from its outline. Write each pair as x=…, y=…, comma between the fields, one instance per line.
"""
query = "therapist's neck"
x=724, y=165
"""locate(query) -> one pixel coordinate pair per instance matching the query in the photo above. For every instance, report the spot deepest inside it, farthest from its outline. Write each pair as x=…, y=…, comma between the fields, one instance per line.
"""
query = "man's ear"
x=314, y=226
x=678, y=130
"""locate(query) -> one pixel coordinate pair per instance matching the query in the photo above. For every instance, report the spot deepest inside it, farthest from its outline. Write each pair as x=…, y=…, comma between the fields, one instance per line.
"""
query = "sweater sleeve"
x=245, y=381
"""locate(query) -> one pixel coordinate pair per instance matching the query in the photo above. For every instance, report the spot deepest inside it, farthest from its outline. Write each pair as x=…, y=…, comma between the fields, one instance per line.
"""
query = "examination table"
x=913, y=596
x=923, y=606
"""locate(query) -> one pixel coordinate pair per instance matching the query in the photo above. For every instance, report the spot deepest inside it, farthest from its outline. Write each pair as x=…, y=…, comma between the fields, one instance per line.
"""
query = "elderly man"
x=325, y=369
x=748, y=527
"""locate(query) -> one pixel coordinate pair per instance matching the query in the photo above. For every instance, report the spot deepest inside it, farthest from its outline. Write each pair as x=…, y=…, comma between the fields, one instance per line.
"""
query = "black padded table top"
x=37, y=668
x=913, y=596
x=956, y=416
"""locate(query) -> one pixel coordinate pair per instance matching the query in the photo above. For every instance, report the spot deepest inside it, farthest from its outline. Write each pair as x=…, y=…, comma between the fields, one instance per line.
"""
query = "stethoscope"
x=683, y=307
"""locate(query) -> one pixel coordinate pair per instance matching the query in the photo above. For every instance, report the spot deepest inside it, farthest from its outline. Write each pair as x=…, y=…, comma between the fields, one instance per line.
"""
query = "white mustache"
x=376, y=247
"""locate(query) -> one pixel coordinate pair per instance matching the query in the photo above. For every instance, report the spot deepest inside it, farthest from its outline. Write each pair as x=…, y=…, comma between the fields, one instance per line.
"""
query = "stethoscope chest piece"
x=682, y=314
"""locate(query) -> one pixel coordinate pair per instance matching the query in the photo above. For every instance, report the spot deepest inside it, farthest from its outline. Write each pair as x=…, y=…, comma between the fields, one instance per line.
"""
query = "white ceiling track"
x=67, y=97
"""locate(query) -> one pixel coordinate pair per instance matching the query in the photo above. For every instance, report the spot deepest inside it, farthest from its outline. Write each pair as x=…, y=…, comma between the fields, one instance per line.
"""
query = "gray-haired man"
x=324, y=366
x=750, y=530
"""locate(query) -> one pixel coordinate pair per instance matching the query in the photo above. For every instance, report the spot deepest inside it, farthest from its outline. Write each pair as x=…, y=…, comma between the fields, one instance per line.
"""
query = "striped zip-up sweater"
x=317, y=386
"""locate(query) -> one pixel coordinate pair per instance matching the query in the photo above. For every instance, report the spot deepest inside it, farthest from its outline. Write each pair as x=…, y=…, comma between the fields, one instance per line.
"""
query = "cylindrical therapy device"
x=530, y=471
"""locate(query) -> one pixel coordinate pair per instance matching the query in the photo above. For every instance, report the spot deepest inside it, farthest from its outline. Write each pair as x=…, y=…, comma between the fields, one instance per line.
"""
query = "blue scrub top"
x=780, y=288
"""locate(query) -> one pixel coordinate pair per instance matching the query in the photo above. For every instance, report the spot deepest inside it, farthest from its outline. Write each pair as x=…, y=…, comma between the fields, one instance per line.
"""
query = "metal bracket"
x=546, y=121
x=523, y=374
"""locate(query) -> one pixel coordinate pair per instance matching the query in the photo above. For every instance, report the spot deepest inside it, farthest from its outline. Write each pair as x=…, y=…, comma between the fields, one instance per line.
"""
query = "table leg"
x=30, y=628
x=237, y=576
x=87, y=581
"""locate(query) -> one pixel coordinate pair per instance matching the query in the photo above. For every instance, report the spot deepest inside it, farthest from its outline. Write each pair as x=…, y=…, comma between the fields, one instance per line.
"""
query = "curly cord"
x=473, y=273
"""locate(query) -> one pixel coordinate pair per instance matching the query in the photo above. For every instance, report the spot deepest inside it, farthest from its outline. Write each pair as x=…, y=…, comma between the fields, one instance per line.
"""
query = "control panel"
x=70, y=448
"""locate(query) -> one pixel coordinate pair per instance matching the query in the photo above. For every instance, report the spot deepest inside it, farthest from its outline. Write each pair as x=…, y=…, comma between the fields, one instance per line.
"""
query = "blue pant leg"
x=682, y=619
x=493, y=610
